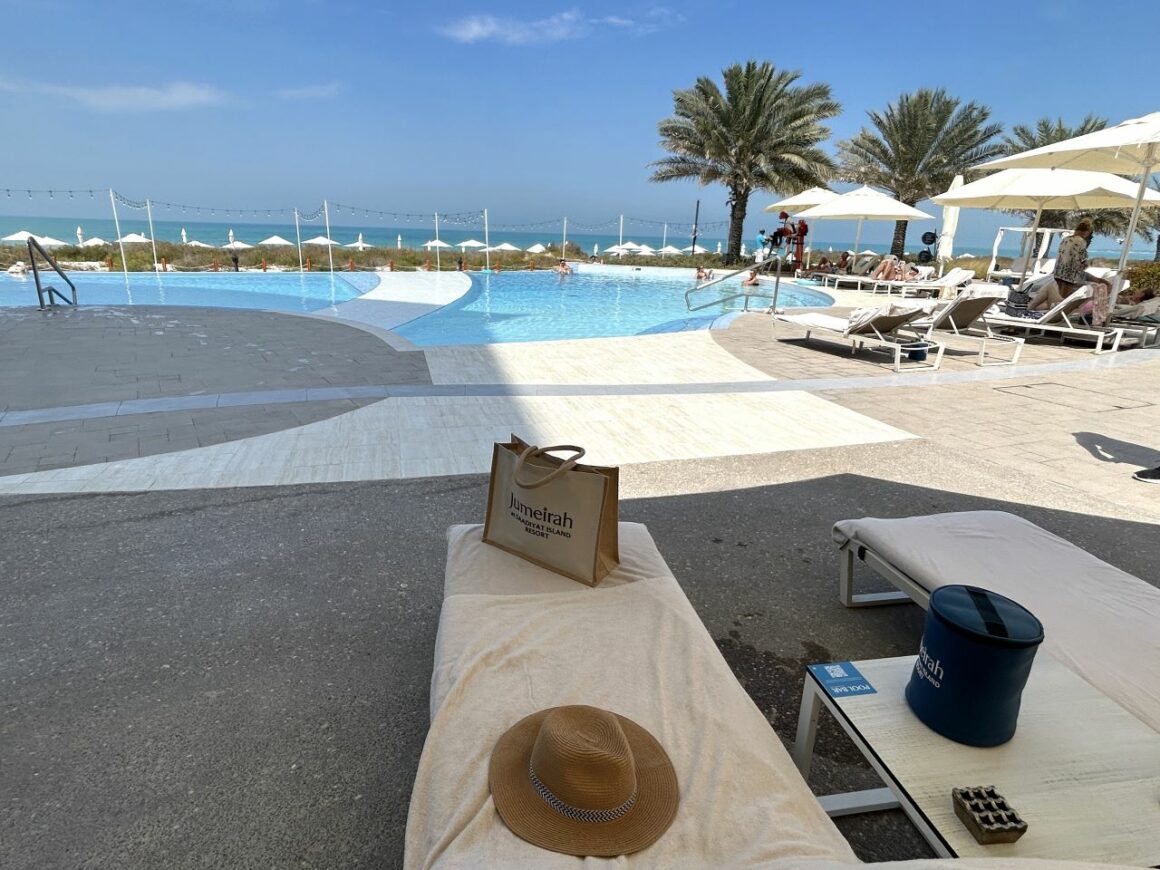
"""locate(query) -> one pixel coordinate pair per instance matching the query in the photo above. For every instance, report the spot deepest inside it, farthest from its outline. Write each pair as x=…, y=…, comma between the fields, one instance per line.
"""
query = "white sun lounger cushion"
x=633, y=645
x=1101, y=622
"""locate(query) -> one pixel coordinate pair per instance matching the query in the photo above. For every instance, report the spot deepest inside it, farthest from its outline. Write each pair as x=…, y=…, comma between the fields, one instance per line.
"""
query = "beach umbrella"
x=470, y=243
x=669, y=249
x=617, y=250
x=194, y=243
x=276, y=242
x=94, y=242
x=50, y=242
x=230, y=236
x=1046, y=190
x=320, y=240
x=359, y=244
x=133, y=239
x=17, y=237
x=694, y=249
x=537, y=248
x=1130, y=148
x=629, y=246
x=236, y=246
x=504, y=246
x=80, y=237
x=863, y=204
x=436, y=243
x=645, y=251
x=718, y=247
x=184, y=237
x=805, y=199
x=596, y=250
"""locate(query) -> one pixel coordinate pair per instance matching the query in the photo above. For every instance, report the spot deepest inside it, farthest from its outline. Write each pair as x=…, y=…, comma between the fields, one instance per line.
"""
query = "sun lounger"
x=953, y=280
x=1101, y=622
x=858, y=276
x=514, y=638
x=1015, y=270
x=876, y=328
x=963, y=317
x=1058, y=320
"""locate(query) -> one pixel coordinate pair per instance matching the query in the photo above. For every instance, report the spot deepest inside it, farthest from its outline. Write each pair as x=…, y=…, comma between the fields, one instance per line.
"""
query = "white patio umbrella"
x=359, y=244
x=629, y=246
x=645, y=251
x=1130, y=148
x=694, y=249
x=276, y=242
x=1046, y=189
x=718, y=247
x=863, y=204
x=668, y=249
x=50, y=242
x=470, y=243
x=230, y=236
x=537, y=248
x=184, y=237
x=505, y=246
x=950, y=225
x=320, y=240
x=80, y=237
x=133, y=239
x=616, y=250
x=21, y=236
x=436, y=243
x=194, y=243
x=805, y=199
x=94, y=242
x=236, y=245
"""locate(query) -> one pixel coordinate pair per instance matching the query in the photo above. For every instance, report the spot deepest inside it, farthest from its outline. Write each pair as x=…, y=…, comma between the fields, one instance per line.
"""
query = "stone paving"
x=238, y=677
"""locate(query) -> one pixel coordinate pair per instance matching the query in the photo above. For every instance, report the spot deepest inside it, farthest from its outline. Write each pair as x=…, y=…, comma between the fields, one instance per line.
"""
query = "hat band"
x=576, y=813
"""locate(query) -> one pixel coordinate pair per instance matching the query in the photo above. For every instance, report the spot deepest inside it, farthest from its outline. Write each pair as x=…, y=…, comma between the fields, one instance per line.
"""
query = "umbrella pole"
x=117, y=226
x=665, y=237
x=857, y=243
x=298, y=235
x=486, y=242
x=564, y=241
x=438, y=261
x=329, y=246
x=1149, y=165
x=1027, y=258
x=622, y=230
x=152, y=237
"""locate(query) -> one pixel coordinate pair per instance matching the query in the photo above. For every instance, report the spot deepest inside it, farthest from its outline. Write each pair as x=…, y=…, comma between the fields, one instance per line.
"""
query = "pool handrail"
x=34, y=247
x=746, y=292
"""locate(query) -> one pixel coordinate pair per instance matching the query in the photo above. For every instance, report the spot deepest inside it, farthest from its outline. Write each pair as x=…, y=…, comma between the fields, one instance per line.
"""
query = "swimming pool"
x=544, y=306
x=276, y=291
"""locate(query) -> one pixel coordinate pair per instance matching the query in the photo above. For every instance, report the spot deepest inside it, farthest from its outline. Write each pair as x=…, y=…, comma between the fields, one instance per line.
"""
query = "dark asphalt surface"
x=239, y=677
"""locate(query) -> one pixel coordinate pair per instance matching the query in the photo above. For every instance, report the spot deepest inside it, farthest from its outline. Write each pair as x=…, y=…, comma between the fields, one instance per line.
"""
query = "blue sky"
x=534, y=110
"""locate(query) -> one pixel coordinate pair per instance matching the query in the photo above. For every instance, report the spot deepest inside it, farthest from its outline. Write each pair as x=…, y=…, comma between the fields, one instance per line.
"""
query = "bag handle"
x=532, y=450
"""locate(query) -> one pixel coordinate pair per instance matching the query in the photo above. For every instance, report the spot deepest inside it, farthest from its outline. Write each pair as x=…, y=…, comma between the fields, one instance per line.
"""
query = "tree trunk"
x=738, y=205
x=898, y=246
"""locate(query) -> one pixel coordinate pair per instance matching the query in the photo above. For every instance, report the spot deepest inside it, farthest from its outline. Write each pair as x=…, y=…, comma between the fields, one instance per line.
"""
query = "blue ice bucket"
x=976, y=654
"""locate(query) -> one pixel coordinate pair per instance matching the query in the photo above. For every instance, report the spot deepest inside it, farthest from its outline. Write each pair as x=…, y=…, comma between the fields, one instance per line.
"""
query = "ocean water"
x=216, y=232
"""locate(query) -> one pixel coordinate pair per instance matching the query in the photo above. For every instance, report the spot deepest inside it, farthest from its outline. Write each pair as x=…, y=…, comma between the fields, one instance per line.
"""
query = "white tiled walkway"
x=417, y=437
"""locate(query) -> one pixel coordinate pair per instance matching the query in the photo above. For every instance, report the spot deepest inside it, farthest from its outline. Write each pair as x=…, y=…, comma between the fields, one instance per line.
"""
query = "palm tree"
x=1111, y=222
x=917, y=147
x=762, y=133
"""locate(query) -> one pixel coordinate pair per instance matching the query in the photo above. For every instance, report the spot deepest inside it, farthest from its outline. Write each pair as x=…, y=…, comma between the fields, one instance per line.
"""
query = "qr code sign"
x=836, y=672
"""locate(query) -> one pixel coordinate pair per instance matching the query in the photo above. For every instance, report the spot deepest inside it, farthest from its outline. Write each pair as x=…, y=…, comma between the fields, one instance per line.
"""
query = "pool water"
x=276, y=291
x=544, y=306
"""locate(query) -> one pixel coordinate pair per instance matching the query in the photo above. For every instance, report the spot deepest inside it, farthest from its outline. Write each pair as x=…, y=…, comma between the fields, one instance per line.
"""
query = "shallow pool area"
x=274, y=291
x=545, y=306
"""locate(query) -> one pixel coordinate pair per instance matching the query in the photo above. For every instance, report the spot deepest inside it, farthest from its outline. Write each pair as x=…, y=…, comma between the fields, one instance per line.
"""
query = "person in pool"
x=563, y=268
x=750, y=279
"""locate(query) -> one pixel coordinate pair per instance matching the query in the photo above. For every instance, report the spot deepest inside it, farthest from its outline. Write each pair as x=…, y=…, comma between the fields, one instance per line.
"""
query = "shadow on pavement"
x=240, y=677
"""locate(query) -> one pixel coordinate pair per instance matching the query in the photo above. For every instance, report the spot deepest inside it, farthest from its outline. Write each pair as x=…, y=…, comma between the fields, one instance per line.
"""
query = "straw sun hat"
x=583, y=781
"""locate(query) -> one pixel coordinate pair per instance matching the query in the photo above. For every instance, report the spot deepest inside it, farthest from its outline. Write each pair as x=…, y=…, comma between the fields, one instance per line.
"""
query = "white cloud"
x=514, y=31
x=326, y=91
x=130, y=98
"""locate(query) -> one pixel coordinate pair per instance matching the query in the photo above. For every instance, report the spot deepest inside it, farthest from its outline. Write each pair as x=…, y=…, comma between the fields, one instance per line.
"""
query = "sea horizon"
x=216, y=233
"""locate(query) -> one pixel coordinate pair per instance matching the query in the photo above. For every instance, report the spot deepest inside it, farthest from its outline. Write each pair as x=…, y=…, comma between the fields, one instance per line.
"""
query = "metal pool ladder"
x=746, y=292
x=48, y=292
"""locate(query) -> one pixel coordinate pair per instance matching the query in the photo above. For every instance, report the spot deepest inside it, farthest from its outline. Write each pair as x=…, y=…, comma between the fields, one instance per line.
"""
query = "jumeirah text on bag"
x=554, y=512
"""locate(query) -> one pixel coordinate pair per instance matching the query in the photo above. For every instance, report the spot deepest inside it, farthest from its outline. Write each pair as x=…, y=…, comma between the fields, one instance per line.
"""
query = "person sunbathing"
x=884, y=271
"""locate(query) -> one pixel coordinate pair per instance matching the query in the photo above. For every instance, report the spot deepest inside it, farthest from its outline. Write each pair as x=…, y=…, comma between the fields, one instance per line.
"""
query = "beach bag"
x=556, y=513
x=1017, y=302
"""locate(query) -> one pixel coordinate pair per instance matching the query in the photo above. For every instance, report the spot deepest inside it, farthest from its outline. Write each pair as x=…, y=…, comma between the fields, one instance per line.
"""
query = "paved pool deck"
x=221, y=654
